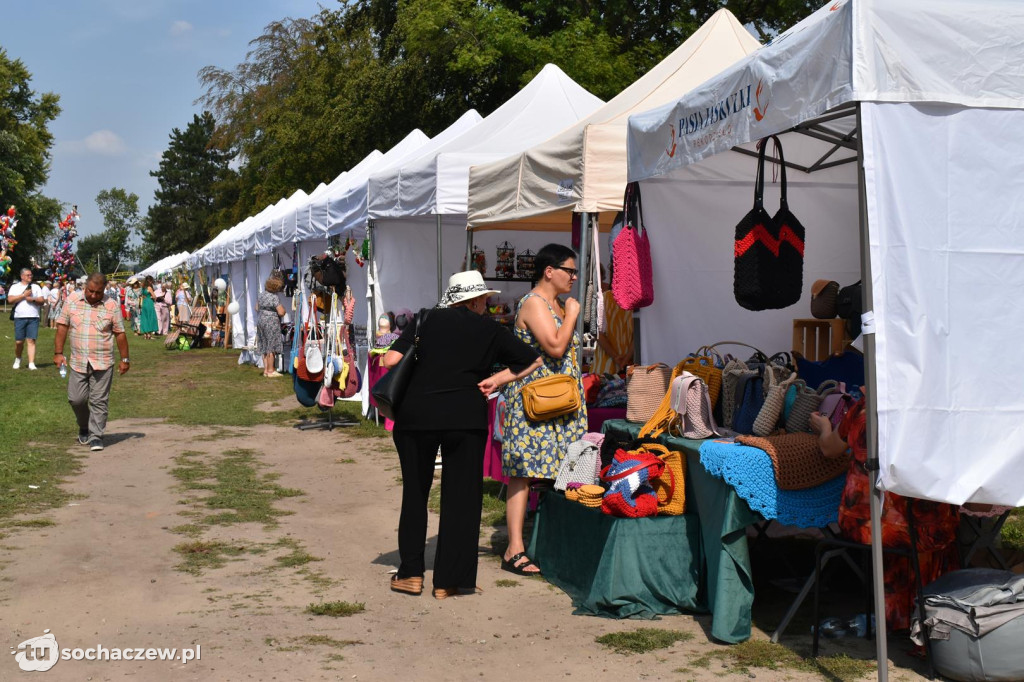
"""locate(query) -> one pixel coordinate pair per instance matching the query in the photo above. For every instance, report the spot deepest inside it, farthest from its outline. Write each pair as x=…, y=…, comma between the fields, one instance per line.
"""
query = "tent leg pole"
x=871, y=430
x=582, y=265
x=439, y=289
x=371, y=328
x=469, y=249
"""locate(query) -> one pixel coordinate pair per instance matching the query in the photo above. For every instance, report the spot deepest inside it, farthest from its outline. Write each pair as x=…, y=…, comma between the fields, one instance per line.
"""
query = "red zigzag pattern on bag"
x=760, y=234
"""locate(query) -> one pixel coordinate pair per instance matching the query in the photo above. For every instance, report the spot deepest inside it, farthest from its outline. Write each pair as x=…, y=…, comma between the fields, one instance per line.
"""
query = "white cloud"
x=180, y=28
x=105, y=142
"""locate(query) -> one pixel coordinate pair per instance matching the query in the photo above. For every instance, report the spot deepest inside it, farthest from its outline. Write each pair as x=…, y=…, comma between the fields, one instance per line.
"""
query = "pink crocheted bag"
x=632, y=276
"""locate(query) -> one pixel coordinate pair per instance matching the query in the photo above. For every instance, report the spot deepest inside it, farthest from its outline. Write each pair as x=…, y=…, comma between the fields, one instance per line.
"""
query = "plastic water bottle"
x=63, y=371
x=859, y=623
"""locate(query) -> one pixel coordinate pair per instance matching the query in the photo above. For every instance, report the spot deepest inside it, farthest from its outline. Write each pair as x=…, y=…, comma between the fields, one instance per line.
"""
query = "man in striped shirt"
x=94, y=320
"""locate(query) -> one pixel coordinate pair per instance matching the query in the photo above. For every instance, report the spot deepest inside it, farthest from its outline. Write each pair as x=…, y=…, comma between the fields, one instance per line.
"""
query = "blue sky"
x=125, y=71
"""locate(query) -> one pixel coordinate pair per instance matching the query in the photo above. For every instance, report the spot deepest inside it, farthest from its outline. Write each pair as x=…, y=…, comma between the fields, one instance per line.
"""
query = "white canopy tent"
x=311, y=218
x=420, y=206
x=582, y=169
x=890, y=133
x=350, y=215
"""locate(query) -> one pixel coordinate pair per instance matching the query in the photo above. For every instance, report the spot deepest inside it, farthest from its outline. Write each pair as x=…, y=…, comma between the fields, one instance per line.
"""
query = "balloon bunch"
x=62, y=262
x=7, y=241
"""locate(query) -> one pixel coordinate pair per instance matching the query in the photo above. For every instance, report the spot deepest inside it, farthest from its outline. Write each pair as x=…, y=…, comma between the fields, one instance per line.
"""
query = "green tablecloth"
x=645, y=567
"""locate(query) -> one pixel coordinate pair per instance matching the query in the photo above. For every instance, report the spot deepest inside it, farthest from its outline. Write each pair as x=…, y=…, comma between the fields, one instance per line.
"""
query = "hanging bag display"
x=310, y=349
x=632, y=274
x=769, y=251
x=390, y=388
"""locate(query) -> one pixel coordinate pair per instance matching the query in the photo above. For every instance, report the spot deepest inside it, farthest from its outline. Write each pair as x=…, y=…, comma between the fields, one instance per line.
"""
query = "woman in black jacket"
x=445, y=407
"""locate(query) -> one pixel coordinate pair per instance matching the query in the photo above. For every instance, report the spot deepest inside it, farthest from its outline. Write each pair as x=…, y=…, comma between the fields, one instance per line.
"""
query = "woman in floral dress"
x=535, y=449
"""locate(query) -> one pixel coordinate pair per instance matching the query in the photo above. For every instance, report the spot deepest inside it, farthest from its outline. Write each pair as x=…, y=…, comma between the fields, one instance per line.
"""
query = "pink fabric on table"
x=376, y=370
x=492, y=451
x=596, y=416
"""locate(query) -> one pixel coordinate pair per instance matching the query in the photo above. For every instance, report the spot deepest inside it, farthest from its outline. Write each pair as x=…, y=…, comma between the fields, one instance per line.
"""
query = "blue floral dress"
x=535, y=449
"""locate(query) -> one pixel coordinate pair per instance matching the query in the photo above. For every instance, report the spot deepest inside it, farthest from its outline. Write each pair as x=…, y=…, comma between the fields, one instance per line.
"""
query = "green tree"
x=191, y=174
x=112, y=248
x=25, y=142
x=316, y=95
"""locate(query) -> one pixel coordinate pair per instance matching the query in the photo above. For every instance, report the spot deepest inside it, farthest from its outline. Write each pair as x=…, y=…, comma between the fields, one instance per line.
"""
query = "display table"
x=628, y=574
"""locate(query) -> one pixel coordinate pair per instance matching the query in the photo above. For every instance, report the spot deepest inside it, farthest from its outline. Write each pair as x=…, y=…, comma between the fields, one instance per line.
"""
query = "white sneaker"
x=17, y=363
x=32, y=365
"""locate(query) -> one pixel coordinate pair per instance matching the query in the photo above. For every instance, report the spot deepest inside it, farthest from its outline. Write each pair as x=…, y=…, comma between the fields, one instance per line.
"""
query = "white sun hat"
x=463, y=286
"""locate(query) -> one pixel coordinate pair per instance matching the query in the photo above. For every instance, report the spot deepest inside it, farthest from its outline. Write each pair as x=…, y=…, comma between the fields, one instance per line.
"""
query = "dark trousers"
x=458, y=536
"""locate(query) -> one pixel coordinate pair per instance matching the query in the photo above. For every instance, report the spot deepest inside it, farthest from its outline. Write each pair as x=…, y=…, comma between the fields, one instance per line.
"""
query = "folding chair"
x=985, y=526
x=194, y=329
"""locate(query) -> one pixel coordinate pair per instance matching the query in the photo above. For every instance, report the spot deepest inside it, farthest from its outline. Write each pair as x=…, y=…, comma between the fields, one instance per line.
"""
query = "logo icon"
x=760, y=110
x=38, y=654
x=836, y=6
x=672, y=151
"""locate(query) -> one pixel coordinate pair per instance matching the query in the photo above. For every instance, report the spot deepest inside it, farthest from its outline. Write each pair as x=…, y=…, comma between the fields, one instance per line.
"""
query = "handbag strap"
x=634, y=209
x=782, y=173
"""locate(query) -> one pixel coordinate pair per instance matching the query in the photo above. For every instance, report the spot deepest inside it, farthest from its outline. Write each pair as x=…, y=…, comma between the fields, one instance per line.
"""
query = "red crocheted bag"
x=632, y=275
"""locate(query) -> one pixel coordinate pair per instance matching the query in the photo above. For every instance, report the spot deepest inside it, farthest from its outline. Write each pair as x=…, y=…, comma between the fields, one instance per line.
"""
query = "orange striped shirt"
x=91, y=331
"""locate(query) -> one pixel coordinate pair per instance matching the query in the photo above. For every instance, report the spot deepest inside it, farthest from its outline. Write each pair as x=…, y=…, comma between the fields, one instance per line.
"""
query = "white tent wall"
x=236, y=279
x=253, y=283
x=691, y=224
x=405, y=251
x=947, y=254
x=944, y=229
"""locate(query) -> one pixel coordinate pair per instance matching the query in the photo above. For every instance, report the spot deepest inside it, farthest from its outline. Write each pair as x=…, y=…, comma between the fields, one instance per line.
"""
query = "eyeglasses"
x=572, y=272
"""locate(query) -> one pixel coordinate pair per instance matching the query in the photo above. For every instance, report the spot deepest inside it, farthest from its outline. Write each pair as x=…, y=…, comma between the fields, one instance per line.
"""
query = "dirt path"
x=105, y=574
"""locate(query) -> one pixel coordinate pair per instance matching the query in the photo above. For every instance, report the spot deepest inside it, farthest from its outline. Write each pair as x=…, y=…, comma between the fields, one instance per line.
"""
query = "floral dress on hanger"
x=535, y=449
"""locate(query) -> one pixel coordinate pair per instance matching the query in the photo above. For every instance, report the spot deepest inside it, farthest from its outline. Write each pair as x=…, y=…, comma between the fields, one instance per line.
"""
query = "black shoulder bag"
x=390, y=388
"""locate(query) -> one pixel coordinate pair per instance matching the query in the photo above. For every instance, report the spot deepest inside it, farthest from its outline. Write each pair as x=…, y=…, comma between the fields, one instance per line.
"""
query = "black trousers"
x=458, y=536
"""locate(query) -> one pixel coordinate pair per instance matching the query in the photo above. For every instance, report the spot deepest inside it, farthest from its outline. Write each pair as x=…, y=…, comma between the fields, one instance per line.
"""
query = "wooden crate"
x=816, y=340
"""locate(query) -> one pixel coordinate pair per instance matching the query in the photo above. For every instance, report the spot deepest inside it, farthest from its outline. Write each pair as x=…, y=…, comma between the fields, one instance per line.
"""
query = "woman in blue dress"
x=534, y=449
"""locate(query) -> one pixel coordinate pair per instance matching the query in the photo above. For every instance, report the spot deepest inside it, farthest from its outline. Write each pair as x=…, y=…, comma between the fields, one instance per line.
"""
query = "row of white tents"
x=902, y=126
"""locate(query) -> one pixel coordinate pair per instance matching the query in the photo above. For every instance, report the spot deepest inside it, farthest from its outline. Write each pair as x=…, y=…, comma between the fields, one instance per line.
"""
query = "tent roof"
x=848, y=51
x=353, y=215
x=439, y=183
x=583, y=168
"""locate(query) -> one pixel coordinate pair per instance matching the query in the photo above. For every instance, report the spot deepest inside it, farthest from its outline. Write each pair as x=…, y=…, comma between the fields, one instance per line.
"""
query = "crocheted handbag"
x=646, y=386
x=837, y=404
x=580, y=465
x=632, y=275
x=768, y=417
x=670, y=484
x=689, y=399
x=768, y=252
x=707, y=364
x=627, y=480
x=750, y=392
x=733, y=373
x=807, y=402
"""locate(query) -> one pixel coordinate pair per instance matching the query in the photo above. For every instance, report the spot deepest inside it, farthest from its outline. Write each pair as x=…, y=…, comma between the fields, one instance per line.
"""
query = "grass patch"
x=324, y=640
x=766, y=655
x=642, y=640
x=1013, y=531
x=196, y=388
x=336, y=609
x=32, y=523
x=235, y=487
x=506, y=582
x=199, y=555
x=297, y=557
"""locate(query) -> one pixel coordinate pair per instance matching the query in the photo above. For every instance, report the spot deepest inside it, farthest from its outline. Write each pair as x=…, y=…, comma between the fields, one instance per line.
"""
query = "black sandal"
x=512, y=566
